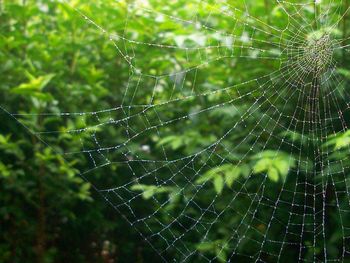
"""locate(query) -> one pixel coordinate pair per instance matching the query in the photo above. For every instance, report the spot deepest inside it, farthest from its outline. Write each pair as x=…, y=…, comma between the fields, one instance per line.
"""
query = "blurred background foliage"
x=53, y=60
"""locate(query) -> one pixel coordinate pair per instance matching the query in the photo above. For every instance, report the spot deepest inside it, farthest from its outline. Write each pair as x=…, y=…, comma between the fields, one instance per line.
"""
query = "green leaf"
x=342, y=142
x=245, y=170
x=207, y=176
x=206, y=246
x=148, y=193
x=150, y=190
x=344, y=72
x=262, y=165
x=84, y=192
x=232, y=175
x=33, y=86
x=282, y=166
x=175, y=142
x=273, y=174
x=4, y=171
x=4, y=139
x=276, y=164
x=147, y=190
x=219, y=184
x=221, y=255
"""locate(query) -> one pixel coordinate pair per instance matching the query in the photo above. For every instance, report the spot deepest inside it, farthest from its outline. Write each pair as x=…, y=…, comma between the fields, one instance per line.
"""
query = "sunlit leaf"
x=219, y=184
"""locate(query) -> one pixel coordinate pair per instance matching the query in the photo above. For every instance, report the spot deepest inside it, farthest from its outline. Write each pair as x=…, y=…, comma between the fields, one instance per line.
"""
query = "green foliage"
x=150, y=190
x=55, y=61
x=339, y=141
x=275, y=164
x=224, y=174
x=48, y=212
x=34, y=88
x=218, y=248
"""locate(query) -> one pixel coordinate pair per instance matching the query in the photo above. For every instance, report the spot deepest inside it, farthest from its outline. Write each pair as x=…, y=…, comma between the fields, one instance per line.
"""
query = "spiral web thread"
x=289, y=112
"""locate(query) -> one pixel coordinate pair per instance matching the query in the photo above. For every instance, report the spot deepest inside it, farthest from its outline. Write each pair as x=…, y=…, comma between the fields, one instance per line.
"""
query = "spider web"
x=230, y=143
